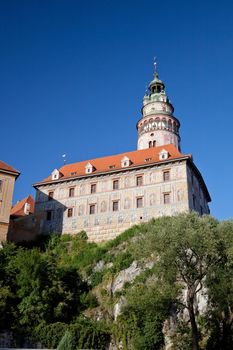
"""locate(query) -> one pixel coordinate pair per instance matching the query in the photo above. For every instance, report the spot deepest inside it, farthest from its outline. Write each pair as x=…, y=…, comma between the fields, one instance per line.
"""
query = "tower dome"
x=158, y=126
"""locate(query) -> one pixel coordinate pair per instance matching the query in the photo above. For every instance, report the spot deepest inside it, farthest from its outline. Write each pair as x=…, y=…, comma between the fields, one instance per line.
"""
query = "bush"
x=122, y=261
x=88, y=334
x=50, y=335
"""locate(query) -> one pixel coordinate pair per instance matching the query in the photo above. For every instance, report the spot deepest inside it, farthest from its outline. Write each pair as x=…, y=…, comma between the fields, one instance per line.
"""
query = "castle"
x=105, y=196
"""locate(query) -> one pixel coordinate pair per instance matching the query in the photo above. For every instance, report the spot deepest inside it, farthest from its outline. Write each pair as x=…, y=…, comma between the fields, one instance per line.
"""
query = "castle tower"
x=158, y=126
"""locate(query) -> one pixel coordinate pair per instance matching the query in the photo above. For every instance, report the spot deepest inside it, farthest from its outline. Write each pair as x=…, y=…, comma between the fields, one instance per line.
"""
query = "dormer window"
x=56, y=174
x=125, y=161
x=27, y=208
x=163, y=154
x=89, y=168
x=148, y=160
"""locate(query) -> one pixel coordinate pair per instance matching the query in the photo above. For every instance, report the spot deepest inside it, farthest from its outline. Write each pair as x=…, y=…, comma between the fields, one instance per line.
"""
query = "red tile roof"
x=8, y=168
x=18, y=208
x=113, y=163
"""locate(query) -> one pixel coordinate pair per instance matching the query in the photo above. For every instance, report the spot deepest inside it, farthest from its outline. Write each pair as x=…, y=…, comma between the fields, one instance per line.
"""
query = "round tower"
x=157, y=126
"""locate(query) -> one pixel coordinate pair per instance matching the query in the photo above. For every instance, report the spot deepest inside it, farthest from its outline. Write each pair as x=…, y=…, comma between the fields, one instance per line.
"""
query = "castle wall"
x=105, y=223
x=196, y=197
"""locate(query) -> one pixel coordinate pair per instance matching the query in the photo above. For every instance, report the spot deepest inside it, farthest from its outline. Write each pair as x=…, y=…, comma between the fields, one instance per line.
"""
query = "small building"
x=23, y=224
x=23, y=208
x=105, y=196
x=8, y=175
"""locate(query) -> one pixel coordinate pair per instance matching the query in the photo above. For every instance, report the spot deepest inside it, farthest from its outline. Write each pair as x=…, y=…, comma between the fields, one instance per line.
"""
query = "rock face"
x=127, y=275
x=118, y=307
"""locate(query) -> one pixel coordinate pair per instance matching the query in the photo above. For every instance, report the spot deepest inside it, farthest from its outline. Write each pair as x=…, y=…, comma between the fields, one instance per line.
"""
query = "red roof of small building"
x=18, y=208
x=113, y=163
x=6, y=167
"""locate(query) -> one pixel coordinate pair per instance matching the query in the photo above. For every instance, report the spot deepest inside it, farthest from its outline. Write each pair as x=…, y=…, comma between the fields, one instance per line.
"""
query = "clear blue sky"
x=73, y=75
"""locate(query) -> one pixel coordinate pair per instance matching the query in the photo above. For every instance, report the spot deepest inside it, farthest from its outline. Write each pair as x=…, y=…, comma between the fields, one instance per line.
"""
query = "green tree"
x=220, y=287
x=189, y=247
x=141, y=322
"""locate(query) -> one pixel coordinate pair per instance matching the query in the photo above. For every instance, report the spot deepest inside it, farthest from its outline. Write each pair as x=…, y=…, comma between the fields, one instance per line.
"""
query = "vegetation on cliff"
x=168, y=282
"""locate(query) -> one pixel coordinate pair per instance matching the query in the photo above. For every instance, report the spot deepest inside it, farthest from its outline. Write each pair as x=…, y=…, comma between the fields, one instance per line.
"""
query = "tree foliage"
x=53, y=289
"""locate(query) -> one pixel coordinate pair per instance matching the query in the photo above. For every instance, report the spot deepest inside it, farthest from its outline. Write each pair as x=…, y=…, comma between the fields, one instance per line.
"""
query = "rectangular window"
x=115, y=206
x=139, y=202
x=70, y=212
x=92, y=209
x=115, y=184
x=139, y=181
x=166, y=175
x=166, y=198
x=49, y=215
x=93, y=188
x=71, y=192
x=51, y=193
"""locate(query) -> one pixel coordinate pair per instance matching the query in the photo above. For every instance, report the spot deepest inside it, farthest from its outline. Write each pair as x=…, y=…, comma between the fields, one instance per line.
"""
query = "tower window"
x=93, y=188
x=166, y=198
x=92, y=209
x=115, y=206
x=139, y=202
x=166, y=176
x=115, y=184
x=150, y=144
x=49, y=215
x=50, y=195
x=70, y=212
x=154, y=143
x=71, y=192
x=139, y=181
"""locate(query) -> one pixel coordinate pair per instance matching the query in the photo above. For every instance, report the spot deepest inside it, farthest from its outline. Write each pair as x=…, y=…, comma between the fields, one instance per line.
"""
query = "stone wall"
x=6, y=193
x=3, y=231
x=25, y=228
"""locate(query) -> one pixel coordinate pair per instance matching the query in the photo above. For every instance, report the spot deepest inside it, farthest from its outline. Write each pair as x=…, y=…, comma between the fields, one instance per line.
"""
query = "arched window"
x=157, y=120
x=154, y=143
x=164, y=124
x=150, y=144
x=169, y=124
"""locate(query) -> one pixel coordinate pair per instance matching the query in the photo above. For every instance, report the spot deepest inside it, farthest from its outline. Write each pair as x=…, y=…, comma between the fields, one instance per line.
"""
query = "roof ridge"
x=123, y=154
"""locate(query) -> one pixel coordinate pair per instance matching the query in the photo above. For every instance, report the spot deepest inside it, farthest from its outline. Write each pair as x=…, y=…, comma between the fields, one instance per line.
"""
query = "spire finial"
x=155, y=65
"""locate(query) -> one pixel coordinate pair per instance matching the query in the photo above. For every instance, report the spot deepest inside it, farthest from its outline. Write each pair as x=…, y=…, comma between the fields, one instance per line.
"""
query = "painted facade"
x=107, y=195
